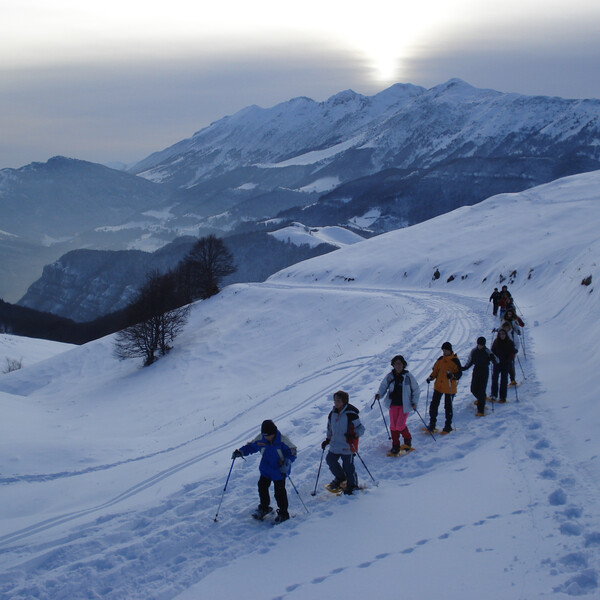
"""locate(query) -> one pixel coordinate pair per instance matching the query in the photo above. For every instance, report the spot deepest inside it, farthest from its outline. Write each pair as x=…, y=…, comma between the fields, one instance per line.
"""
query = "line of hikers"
x=401, y=393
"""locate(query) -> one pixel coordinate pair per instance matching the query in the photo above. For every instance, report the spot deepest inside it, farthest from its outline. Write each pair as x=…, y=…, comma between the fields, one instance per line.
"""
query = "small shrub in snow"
x=12, y=364
x=586, y=280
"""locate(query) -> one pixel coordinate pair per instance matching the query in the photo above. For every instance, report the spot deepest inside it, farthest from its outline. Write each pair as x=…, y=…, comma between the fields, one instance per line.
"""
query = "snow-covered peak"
x=299, y=234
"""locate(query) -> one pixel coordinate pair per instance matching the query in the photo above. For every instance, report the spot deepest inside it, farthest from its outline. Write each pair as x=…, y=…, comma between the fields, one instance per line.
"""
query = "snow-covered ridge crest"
x=404, y=124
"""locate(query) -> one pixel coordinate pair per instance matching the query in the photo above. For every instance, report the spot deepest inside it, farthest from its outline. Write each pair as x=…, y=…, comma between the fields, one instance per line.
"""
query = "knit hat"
x=268, y=427
x=399, y=357
x=481, y=341
x=447, y=346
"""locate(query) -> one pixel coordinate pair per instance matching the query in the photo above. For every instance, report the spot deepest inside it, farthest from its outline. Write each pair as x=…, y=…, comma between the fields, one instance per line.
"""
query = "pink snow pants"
x=398, y=424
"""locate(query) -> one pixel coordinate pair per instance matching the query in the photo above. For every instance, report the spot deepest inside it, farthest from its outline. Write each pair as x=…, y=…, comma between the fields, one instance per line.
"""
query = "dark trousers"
x=500, y=371
x=280, y=493
x=479, y=386
x=433, y=409
x=345, y=472
x=495, y=312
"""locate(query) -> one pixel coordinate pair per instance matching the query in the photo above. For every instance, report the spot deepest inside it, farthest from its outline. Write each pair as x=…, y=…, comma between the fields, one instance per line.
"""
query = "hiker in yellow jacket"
x=446, y=372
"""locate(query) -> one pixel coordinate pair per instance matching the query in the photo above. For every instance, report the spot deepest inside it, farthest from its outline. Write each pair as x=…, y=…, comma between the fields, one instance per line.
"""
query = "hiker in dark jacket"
x=495, y=298
x=480, y=359
x=278, y=454
x=504, y=349
x=343, y=430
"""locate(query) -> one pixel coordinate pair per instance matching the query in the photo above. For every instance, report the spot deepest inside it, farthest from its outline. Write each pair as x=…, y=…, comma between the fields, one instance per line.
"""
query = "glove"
x=236, y=454
x=324, y=444
x=429, y=380
x=449, y=375
x=376, y=396
x=284, y=466
x=516, y=352
x=414, y=406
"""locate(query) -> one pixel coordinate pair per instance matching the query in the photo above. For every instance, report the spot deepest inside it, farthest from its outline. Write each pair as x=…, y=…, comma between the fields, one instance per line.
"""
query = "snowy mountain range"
x=112, y=476
x=372, y=163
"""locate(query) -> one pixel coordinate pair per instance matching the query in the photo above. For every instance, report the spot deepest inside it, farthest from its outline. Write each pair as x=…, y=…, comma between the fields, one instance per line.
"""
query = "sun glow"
x=383, y=34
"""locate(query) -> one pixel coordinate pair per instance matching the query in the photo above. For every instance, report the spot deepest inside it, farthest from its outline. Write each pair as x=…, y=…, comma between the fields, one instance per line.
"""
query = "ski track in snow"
x=159, y=551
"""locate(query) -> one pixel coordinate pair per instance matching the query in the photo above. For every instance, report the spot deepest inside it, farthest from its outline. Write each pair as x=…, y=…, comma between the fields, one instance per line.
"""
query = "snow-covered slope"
x=112, y=474
x=299, y=234
x=27, y=351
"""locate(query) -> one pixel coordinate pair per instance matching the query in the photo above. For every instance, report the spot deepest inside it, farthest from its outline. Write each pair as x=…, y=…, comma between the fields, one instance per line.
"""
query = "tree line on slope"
x=197, y=276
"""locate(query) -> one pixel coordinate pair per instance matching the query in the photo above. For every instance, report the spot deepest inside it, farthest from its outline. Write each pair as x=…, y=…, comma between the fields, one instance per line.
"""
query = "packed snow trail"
x=156, y=537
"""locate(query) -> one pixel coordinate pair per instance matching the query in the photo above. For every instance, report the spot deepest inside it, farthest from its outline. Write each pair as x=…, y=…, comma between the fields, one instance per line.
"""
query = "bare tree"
x=157, y=320
x=204, y=267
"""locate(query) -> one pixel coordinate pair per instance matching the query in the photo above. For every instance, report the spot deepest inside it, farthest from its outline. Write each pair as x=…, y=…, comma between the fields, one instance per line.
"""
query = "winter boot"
x=349, y=489
x=407, y=444
x=281, y=516
x=395, y=449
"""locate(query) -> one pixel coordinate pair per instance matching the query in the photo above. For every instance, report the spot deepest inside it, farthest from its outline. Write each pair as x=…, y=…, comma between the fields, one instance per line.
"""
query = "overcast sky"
x=115, y=80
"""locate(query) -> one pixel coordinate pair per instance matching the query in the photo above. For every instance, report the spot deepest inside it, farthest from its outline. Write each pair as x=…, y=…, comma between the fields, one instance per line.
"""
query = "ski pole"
x=427, y=402
x=430, y=432
x=223, y=494
x=520, y=365
x=490, y=365
x=314, y=492
x=383, y=417
x=516, y=393
x=365, y=466
x=298, y=493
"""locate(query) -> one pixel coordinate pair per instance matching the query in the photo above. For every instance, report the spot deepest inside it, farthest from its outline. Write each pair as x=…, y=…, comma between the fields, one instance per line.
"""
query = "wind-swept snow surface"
x=111, y=487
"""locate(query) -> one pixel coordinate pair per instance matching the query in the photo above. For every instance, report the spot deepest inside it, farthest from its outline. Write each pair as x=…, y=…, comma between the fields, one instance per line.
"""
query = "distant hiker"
x=278, y=453
x=514, y=338
x=343, y=430
x=480, y=358
x=505, y=300
x=504, y=349
x=510, y=316
x=446, y=372
x=512, y=323
x=495, y=298
x=403, y=393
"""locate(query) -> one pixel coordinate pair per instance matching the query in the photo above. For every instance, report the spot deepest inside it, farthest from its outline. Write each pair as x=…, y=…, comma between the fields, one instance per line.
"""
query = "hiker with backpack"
x=401, y=392
x=343, y=431
x=278, y=454
x=480, y=359
x=504, y=349
x=446, y=372
x=494, y=298
x=505, y=300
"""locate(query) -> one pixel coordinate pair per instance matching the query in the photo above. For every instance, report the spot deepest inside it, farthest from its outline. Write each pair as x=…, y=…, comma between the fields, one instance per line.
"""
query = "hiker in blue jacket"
x=278, y=454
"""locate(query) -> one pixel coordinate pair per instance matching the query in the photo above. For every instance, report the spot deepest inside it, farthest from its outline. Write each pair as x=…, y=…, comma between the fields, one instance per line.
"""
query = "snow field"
x=111, y=475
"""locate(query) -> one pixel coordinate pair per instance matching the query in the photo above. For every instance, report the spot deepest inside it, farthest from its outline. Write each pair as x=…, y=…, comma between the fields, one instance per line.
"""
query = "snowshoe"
x=260, y=513
x=402, y=452
x=428, y=430
x=446, y=431
x=335, y=486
